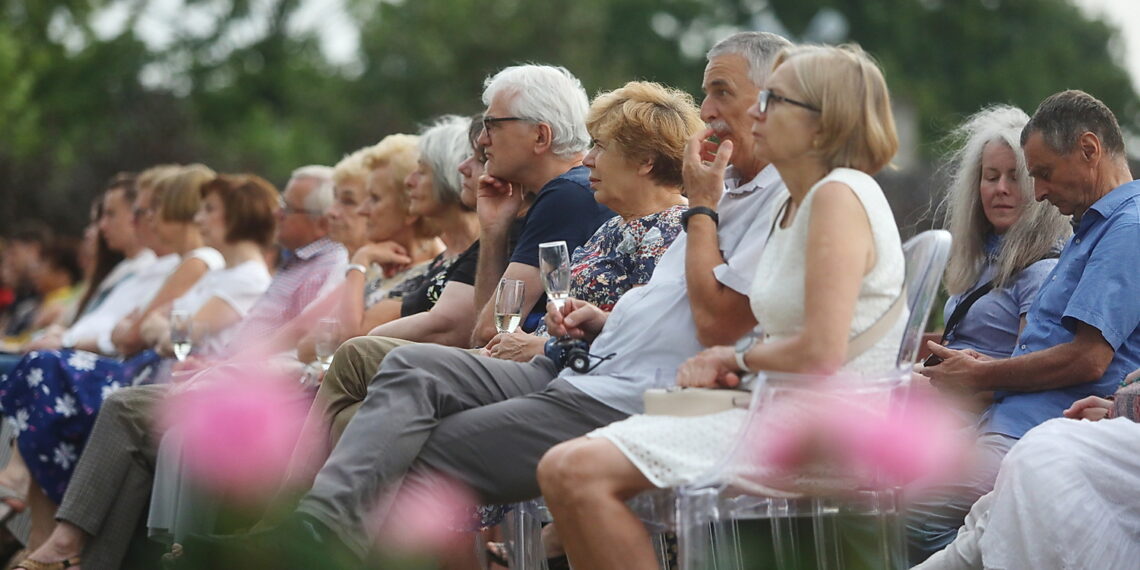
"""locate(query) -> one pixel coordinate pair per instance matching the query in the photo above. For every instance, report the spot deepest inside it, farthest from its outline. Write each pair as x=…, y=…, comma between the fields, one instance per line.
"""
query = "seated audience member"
x=487, y=421
x=1005, y=243
x=1082, y=334
x=112, y=479
x=1064, y=497
x=54, y=396
x=21, y=256
x=130, y=283
x=639, y=132
x=638, y=140
x=534, y=136
x=347, y=225
x=399, y=263
x=58, y=280
x=824, y=121
x=164, y=216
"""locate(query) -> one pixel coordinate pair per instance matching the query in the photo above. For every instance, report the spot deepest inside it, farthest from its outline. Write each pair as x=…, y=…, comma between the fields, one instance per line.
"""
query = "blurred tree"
x=241, y=89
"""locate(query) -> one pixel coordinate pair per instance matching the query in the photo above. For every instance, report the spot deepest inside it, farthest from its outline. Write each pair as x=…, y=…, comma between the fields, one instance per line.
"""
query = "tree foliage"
x=77, y=106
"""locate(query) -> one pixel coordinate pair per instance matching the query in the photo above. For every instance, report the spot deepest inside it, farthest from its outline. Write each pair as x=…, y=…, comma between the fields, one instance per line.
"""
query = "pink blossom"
x=426, y=516
x=238, y=429
x=842, y=439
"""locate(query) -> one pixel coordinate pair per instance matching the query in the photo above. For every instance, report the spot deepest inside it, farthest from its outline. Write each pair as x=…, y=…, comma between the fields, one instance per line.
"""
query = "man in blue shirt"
x=1082, y=334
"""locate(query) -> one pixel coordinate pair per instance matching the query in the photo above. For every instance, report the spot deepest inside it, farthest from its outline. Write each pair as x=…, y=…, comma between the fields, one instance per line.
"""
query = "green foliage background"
x=74, y=109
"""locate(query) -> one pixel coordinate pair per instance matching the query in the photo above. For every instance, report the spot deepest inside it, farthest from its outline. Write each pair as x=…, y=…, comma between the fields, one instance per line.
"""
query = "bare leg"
x=586, y=483
x=66, y=541
x=43, y=516
x=16, y=477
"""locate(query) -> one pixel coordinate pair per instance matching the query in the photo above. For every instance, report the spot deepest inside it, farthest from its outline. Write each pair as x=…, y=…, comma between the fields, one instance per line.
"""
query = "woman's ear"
x=645, y=167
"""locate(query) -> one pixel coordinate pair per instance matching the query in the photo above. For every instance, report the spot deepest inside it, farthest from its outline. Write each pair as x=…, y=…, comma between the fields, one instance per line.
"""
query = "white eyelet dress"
x=672, y=451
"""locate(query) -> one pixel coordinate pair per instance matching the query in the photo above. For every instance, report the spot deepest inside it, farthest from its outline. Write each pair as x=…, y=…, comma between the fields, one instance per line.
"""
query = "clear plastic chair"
x=855, y=529
x=706, y=514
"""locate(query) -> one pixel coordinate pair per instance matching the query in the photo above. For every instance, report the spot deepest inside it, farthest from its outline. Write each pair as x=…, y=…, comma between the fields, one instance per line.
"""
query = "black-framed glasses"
x=489, y=122
x=766, y=95
x=286, y=210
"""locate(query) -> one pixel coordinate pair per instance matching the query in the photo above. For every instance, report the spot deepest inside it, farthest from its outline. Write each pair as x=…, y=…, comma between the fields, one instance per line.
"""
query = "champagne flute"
x=508, y=305
x=554, y=265
x=327, y=341
x=181, y=341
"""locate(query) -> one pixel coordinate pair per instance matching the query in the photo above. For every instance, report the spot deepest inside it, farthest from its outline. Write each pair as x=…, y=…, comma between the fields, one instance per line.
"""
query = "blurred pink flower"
x=238, y=428
x=427, y=516
x=842, y=440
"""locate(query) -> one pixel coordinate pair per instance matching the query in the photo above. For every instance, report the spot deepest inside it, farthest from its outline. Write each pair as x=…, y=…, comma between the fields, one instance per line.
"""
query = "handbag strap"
x=960, y=310
x=863, y=341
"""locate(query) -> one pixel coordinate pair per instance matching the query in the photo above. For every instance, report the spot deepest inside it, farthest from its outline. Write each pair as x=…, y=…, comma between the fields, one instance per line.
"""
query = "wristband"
x=699, y=210
x=356, y=267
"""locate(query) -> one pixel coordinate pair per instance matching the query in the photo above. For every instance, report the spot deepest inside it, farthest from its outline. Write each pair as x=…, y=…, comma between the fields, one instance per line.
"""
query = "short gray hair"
x=320, y=198
x=759, y=49
x=545, y=94
x=443, y=145
x=1063, y=117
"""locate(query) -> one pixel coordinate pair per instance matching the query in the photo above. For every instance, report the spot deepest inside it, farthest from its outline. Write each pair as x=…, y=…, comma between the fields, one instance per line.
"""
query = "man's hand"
x=498, y=202
x=517, y=346
x=704, y=180
x=1091, y=408
x=711, y=368
x=957, y=373
x=577, y=319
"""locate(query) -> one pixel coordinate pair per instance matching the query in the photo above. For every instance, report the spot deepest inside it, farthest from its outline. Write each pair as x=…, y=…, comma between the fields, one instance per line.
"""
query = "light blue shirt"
x=651, y=329
x=991, y=324
x=1095, y=282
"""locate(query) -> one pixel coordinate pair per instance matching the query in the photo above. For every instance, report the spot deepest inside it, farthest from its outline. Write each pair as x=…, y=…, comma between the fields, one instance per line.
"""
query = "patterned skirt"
x=52, y=398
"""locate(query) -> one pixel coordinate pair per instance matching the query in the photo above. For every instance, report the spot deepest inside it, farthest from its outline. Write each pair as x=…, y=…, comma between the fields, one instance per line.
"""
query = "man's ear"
x=543, y=139
x=1090, y=147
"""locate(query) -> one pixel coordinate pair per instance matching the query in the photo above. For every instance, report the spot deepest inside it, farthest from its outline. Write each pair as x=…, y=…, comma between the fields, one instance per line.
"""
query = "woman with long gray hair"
x=1005, y=242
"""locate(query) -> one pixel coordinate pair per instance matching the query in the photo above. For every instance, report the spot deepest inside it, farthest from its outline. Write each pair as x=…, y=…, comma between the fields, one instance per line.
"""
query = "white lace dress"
x=671, y=450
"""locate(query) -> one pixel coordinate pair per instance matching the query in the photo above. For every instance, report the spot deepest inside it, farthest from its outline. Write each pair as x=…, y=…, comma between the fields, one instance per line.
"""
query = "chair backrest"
x=926, y=255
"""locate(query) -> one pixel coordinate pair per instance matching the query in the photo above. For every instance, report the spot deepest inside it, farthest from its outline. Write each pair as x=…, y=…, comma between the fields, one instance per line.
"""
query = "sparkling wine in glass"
x=181, y=341
x=554, y=265
x=327, y=341
x=508, y=305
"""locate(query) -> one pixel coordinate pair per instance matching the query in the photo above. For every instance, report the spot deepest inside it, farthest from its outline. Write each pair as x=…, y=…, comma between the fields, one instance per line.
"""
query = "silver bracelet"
x=356, y=267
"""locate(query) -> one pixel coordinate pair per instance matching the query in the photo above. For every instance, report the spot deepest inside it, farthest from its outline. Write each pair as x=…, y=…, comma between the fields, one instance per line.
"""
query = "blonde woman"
x=832, y=267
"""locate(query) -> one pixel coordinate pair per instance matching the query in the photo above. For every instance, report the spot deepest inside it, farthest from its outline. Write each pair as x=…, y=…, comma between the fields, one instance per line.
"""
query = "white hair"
x=759, y=49
x=443, y=145
x=1038, y=230
x=320, y=198
x=545, y=94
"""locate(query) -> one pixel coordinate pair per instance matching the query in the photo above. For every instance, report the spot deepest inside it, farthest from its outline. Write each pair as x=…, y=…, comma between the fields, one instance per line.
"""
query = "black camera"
x=569, y=353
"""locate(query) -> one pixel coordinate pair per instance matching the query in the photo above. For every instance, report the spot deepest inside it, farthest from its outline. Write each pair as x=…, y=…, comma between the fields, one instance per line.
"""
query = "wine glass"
x=181, y=341
x=508, y=305
x=554, y=266
x=327, y=340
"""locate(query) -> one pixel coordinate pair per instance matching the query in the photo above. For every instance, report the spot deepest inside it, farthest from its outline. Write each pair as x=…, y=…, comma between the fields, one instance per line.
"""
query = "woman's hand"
x=154, y=327
x=388, y=254
x=711, y=368
x=517, y=346
x=1091, y=408
x=577, y=319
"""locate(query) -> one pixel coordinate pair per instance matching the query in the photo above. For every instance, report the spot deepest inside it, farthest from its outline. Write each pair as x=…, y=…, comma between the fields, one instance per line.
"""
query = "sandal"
x=29, y=564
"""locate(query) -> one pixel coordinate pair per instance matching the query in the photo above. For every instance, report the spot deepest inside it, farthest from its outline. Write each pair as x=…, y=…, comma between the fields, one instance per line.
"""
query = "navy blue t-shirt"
x=564, y=210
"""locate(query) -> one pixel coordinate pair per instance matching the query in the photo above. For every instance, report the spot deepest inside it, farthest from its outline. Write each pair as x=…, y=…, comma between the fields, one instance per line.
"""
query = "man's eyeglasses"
x=766, y=96
x=489, y=122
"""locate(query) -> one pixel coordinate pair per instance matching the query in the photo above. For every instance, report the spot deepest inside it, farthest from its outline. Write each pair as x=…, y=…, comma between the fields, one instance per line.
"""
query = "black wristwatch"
x=699, y=210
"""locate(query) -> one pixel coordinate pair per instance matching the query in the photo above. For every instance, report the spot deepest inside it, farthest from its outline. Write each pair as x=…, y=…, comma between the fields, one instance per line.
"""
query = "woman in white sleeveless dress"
x=831, y=269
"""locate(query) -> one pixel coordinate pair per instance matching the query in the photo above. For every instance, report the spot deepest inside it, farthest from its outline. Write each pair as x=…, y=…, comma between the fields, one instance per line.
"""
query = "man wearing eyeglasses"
x=534, y=135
